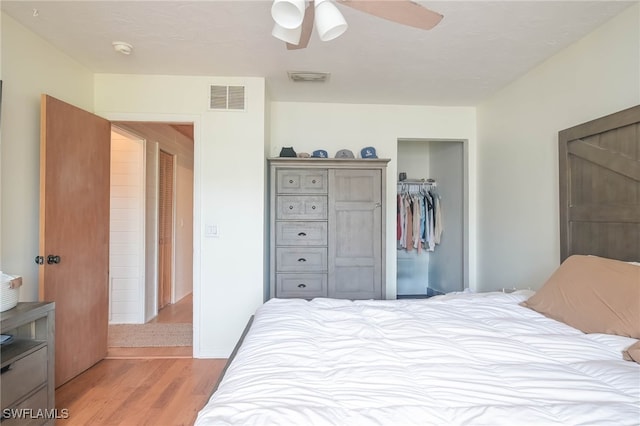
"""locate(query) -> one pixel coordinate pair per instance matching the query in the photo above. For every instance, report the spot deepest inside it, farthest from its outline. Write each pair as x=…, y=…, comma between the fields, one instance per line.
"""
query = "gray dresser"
x=327, y=225
x=28, y=392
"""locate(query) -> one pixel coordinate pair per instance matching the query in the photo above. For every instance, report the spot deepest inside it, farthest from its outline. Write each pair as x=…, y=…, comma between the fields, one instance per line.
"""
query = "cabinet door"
x=355, y=234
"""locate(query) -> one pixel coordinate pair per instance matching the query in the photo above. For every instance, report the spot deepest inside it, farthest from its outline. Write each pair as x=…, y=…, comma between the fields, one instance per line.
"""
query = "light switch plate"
x=211, y=231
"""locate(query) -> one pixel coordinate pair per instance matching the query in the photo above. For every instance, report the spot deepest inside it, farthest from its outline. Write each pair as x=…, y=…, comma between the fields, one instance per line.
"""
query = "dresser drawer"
x=291, y=207
x=298, y=181
x=307, y=259
x=38, y=401
x=301, y=233
x=23, y=376
x=304, y=286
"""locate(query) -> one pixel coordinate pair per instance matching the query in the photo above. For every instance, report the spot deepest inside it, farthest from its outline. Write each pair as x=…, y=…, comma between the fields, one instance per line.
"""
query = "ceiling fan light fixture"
x=288, y=13
x=329, y=21
x=288, y=35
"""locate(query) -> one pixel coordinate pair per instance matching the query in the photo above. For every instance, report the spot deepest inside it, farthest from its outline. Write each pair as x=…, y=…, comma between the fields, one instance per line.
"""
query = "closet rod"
x=421, y=184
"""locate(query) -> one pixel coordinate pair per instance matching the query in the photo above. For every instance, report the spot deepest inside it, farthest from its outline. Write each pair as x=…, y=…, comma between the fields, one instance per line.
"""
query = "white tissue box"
x=9, y=289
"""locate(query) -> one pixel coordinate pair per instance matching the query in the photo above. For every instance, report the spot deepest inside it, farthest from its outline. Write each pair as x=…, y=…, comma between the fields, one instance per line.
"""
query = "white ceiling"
x=477, y=48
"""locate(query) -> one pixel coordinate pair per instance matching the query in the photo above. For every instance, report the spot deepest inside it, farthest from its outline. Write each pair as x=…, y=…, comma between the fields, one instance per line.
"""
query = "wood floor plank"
x=151, y=352
x=133, y=392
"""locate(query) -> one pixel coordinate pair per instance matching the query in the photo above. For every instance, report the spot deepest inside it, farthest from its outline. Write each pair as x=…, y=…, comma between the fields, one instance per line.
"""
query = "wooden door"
x=165, y=229
x=74, y=231
x=355, y=234
x=600, y=187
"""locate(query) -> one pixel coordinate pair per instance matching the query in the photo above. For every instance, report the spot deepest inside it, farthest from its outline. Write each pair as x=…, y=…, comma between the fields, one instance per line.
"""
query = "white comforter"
x=465, y=359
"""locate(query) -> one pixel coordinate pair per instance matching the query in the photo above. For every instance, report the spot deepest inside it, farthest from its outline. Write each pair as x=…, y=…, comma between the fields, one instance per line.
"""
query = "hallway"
x=168, y=335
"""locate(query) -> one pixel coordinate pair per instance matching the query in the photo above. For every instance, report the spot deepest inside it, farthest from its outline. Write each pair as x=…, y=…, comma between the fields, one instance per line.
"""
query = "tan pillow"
x=632, y=353
x=592, y=294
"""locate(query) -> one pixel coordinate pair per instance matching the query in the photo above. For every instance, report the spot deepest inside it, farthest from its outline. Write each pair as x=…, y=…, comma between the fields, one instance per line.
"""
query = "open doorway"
x=434, y=174
x=159, y=308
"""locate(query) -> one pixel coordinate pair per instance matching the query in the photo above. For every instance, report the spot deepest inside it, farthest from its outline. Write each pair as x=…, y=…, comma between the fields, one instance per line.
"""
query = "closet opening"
x=432, y=217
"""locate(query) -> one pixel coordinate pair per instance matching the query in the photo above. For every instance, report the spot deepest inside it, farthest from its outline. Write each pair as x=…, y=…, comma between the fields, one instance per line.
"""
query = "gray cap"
x=345, y=153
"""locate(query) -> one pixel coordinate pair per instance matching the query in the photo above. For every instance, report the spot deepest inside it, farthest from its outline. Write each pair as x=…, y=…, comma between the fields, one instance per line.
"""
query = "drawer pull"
x=5, y=369
x=290, y=207
x=313, y=181
x=302, y=259
x=302, y=285
x=313, y=207
x=290, y=180
x=301, y=234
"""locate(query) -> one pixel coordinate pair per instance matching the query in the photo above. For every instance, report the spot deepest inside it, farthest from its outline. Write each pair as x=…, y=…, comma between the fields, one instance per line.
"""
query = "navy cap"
x=319, y=153
x=368, y=152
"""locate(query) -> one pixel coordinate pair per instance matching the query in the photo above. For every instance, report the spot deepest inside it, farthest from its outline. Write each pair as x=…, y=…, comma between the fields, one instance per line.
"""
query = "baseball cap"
x=368, y=152
x=345, y=153
x=319, y=153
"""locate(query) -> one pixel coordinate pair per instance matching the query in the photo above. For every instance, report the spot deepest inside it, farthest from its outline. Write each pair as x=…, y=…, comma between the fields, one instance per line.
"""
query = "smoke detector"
x=122, y=47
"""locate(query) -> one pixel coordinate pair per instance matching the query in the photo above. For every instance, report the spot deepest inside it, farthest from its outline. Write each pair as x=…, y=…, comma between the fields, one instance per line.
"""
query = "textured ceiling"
x=478, y=48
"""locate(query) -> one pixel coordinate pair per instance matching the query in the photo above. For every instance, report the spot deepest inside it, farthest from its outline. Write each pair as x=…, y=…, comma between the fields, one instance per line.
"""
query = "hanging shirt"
x=409, y=225
x=423, y=218
x=438, y=218
x=416, y=222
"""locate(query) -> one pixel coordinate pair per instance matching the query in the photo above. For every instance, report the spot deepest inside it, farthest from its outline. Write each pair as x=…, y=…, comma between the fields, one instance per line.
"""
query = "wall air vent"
x=308, y=77
x=227, y=98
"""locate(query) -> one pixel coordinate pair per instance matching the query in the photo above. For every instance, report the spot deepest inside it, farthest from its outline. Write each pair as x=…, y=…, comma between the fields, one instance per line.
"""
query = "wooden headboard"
x=600, y=187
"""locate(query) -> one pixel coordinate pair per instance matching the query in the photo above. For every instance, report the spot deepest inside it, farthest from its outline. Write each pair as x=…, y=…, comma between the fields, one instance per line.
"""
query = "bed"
x=568, y=354
x=455, y=360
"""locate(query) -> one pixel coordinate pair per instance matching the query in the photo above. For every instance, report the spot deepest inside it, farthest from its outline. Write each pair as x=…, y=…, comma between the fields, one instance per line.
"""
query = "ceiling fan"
x=294, y=19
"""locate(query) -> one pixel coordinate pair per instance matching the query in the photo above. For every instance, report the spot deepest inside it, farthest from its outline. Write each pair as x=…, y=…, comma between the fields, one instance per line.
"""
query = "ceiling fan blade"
x=307, y=27
x=405, y=12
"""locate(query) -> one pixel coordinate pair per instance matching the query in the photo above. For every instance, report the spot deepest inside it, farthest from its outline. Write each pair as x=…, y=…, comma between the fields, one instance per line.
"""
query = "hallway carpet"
x=150, y=335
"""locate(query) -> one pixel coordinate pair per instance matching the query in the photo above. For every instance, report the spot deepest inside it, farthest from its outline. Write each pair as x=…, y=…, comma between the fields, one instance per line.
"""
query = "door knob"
x=51, y=259
x=39, y=260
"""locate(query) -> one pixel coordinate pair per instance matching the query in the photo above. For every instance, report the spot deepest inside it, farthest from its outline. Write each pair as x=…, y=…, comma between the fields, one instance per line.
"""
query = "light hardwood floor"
x=161, y=386
x=150, y=352
x=179, y=312
x=131, y=392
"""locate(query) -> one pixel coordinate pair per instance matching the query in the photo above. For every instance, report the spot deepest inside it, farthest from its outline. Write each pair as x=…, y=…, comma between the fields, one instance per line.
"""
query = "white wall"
x=31, y=66
x=311, y=126
x=518, y=239
x=229, y=191
x=126, y=229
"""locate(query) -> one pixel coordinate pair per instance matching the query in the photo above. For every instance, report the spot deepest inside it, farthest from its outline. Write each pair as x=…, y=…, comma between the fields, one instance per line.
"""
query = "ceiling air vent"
x=308, y=77
x=227, y=98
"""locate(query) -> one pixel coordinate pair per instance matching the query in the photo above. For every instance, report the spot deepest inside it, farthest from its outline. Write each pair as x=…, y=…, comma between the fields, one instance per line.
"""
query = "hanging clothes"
x=408, y=243
x=419, y=216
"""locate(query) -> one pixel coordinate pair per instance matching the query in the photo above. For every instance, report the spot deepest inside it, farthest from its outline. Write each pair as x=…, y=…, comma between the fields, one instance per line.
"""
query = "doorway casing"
x=197, y=221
